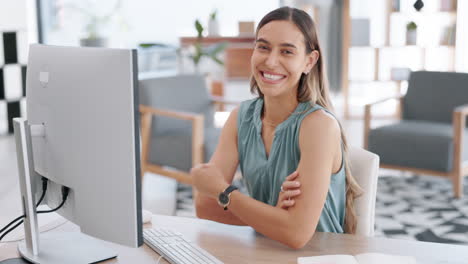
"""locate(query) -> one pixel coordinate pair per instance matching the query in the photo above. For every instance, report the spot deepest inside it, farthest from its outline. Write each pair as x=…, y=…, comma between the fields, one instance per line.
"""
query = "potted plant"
x=94, y=24
x=411, y=33
x=93, y=37
x=213, y=24
x=199, y=51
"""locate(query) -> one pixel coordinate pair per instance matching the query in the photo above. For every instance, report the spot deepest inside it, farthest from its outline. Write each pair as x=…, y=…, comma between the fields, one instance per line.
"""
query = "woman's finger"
x=287, y=185
x=291, y=193
x=287, y=203
x=292, y=176
x=288, y=195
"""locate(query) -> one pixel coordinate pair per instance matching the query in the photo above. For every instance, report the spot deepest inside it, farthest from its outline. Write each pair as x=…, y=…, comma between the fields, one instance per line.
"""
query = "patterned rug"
x=421, y=208
x=415, y=208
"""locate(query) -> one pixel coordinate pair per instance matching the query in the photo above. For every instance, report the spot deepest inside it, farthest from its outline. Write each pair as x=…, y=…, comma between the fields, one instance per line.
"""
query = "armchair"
x=177, y=126
x=365, y=169
x=429, y=138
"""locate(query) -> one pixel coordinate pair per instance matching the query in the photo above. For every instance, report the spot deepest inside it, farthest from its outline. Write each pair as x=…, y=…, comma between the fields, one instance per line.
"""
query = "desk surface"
x=234, y=244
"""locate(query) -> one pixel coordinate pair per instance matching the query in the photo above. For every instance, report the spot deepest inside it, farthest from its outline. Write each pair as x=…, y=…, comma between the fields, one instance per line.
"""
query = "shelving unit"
x=367, y=68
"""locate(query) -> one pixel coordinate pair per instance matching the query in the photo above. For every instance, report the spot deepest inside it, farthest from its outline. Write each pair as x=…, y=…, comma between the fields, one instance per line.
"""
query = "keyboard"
x=175, y=248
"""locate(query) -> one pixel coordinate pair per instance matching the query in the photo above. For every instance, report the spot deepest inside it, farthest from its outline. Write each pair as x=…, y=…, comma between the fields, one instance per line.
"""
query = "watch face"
x=223, y=198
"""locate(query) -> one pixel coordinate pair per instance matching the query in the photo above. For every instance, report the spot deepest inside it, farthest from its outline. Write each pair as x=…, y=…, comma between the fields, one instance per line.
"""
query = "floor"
x=159, y=193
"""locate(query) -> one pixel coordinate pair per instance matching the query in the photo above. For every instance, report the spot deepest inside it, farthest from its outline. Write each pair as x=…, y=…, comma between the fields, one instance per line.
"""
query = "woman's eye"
x=262, y=47
x=287, y=52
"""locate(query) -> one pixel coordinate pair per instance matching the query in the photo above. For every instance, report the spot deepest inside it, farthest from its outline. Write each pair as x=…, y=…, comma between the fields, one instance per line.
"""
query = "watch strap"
x=230, y=189
x=228, y=192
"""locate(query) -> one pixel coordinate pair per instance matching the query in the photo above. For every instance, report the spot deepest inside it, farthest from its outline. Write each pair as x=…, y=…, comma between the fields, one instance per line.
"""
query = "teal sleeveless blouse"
x=264, y=175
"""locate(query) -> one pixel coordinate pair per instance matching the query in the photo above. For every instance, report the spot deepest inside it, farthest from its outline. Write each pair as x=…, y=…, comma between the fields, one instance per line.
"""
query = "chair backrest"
x=432, y=96
x=186, y=93
x=364, y=166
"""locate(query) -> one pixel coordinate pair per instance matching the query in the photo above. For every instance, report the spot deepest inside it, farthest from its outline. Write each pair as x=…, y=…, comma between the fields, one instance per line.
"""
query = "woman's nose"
x=272, y=59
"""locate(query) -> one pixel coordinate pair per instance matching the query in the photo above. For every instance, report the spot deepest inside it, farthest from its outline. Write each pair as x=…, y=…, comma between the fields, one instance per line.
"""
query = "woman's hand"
x=289, y=190
x=208, y=179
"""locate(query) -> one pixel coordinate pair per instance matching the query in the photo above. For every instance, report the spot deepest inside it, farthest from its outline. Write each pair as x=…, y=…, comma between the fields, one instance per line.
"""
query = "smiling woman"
x=279, y=63
x=290, y=148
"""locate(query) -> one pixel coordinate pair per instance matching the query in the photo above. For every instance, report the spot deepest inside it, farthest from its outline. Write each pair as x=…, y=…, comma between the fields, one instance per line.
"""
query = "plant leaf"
x=219, y=48
x=199, y=28
x=217, y=60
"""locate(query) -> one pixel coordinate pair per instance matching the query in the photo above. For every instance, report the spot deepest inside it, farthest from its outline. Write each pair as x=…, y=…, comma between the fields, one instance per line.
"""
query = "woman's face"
x=279, y=58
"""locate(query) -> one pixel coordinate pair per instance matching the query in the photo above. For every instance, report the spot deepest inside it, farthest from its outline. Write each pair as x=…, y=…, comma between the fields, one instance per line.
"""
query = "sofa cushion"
x=416, y=144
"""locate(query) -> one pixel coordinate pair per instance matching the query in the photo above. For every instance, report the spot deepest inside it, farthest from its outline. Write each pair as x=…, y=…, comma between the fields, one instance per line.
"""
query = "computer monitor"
x=81, y=132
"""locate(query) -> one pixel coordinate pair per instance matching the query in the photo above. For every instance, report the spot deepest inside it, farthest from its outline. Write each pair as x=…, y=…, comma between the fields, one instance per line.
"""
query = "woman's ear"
x=312, y=59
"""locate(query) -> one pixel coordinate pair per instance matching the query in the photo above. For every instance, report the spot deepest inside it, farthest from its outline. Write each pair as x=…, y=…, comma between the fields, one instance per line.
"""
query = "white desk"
x=234, y=244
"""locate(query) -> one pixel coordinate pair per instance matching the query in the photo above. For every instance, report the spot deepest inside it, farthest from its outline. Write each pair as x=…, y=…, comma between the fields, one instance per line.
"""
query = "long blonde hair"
x=313, y=88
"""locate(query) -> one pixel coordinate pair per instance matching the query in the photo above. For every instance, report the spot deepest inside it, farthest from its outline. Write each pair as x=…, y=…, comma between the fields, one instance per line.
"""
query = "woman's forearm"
x=208, y=208
x=290, y=227
x=273, y=222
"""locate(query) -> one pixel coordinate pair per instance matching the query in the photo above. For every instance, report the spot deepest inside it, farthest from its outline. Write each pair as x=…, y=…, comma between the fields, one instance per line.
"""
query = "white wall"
x=156, y=20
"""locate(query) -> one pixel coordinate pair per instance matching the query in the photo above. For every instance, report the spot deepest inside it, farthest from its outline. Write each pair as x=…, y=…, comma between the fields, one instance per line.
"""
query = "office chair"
x=364, y=167
x=177, y=125
x=429, y=138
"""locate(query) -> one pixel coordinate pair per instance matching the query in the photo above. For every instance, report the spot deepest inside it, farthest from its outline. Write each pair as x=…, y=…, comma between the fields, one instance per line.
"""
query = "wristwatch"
x=224, y=197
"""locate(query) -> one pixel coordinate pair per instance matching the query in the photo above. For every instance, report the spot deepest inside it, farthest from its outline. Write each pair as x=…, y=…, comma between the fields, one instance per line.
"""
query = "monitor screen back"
x=86, y=98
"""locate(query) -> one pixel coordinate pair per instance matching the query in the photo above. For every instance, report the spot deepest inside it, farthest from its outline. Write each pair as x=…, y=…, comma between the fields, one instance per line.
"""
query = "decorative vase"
x=411, y=37
x=213, y=27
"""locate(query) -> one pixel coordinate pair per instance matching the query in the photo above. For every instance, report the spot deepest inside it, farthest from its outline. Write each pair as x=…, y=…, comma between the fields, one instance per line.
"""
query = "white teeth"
x=272, y=77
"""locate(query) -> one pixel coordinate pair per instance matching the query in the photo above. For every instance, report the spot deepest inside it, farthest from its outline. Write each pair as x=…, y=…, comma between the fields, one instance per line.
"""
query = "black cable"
x=12, y=222
x=65, y=192
x=44, y=189
x=11, y=229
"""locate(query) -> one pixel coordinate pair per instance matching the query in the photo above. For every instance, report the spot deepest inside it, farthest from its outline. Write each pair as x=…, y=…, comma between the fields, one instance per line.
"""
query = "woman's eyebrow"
x=288, y=45
x=262, y=40
x=282, y=44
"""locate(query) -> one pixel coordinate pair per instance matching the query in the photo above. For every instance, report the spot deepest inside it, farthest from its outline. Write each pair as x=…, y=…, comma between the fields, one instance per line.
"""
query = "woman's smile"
x=271, y=77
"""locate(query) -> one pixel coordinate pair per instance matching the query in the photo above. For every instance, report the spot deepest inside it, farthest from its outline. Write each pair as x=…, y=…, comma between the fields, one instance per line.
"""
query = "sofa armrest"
x=170, y=113
x=368, y=115
x=459, y=123
x=197, y=120
x=398, y=97
x=220, y=102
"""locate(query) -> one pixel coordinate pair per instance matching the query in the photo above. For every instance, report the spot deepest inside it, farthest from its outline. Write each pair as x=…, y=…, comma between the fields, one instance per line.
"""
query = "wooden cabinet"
x=237, y=62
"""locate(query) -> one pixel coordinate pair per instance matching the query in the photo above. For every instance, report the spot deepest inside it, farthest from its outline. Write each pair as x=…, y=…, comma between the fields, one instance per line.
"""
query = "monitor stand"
x=15, y=261
x=67, y=247
x=52, y=247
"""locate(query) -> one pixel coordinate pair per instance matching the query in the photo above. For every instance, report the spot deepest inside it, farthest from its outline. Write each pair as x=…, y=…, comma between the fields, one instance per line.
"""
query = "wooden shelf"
x=395, y=20
x=237, y=53
x=186, y=41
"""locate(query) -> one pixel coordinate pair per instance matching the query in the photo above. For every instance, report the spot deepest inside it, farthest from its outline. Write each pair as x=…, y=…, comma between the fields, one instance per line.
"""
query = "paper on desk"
x=368, y=258
x=365, y=258
x=328, y=259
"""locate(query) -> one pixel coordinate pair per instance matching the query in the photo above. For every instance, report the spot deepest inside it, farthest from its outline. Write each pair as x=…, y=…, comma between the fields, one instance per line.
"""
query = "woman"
x=291, y=150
